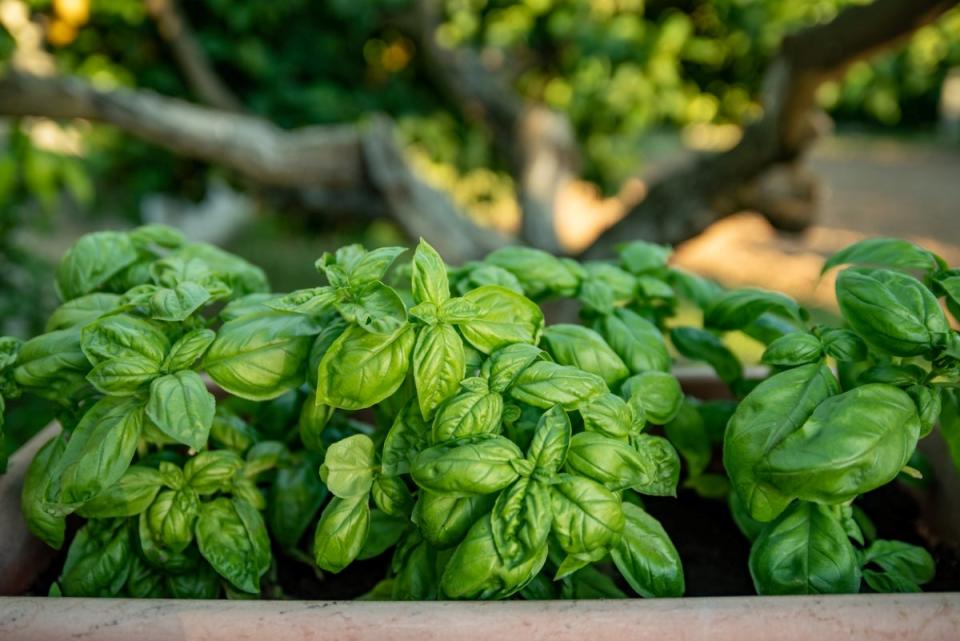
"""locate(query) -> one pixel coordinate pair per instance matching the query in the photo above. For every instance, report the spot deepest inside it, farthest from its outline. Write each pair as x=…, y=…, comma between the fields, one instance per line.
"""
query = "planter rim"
x=919, y=617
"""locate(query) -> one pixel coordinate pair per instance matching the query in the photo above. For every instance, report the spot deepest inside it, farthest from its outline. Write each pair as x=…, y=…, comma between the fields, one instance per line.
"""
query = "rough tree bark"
x=363, y=165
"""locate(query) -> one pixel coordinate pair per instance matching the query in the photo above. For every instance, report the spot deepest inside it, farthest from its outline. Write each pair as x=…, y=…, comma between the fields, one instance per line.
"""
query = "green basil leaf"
x=407, y=436
x=129, y=496
x=521, y=520
x=476, y=465
x=610, y=461
x=162, y=558
x=645, y=556
x=902, y=567
x=92, y=261
x=160, y=235
x=178, y=303
x=505, y=364
x=585, y=349
x=123, y=337
x=349, y=467
x=212, y=471
x=182, y=408
x=376, y=308
x=444, y=519
x=843, y=345
x=239, y=275
x=640, y=256
x=392, y=496
x=589, y=583
x=621, y=284
x=792, y=350
x=775, y=408
x=82, y=311
x=417, y=572
x=660, y=456
x=503, y=317
x=852, y=443
x=123, y=377
x=740, y=307
x=341, y=533
x=52, y=365
x=47, y=527
x=233, y=539
x=314, y=417
x=385, y=532
x=480, y=274
x=98, y=562
x=539, y=273
x=261, y=356
x=655, y=395
x=701, y=345
x=893, y=312
x=361, y=368
x=610, y=415
x=202, y=583
x=545, y=384
x=805, y=551
x=899, y=375
x=469, y=413
x=883, y=252
x=232, y=432
x=144, y=581
x=587, y=517
x=99, y=451
x=438, y=365
x=476, y=570
x=171, y=516
x=311, y=302
x=188, y=349
x=551, y=441
x=295, y=499
x=429, y=275
x=636, y=340
x=372, y=265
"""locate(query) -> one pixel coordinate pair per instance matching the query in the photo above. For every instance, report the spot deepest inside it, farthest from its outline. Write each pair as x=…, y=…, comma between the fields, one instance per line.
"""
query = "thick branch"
x=190, y=57
x=537, y=143
x=686, y=201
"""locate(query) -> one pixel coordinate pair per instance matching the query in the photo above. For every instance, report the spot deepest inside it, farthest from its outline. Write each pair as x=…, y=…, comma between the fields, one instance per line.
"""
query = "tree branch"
x=686, y=201
x=325, y=161
x=190, y=57
x=537, y=143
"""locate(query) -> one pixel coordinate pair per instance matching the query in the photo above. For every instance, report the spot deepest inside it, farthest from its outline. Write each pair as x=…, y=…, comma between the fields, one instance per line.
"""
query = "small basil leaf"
x=211, y=472
x=182, y=408
x=545, y=384
x=45, y=526
x=646, y=557
x=701, y=345
x=129, y=496
x=654, y=395
x=233, y=539
x=296, y=495
x=438, y=365
x=503, y=317
x=792, y=350
x=636, y=340
x=444, y=519
x=476, y=465
x=883, y=252
x=429, y=275
x=98, y=562
x=740, y=307
x=585, y=349
x=349, y=466
x=341, y=533
x=188, y=349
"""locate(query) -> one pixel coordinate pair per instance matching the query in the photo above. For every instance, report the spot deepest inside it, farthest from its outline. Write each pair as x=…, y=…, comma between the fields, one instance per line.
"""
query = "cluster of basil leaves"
x=495, y=455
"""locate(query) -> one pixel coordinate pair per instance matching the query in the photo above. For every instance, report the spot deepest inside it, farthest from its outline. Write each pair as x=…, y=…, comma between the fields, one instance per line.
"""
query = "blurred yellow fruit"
x=73, y=12
x=60, y=32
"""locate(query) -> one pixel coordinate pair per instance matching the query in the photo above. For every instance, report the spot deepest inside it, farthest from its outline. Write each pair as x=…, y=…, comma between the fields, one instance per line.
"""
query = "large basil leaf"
x=212, y=471
x=587, y=519
x=385, y=531
x=639, y=256
x=475, y=465
x=261, y=356
x=444, y=519
x=99, y=451
x=81, y=311
x=92, y=261
x=176, y=304
x=233, y=539
x=407, y=436
x=182, y=408
x=429, y=275
x=171, y=516
x=617, y=464
x=188, y=349
x=774, y=409
x=52, y=365
x=738, y=308
x=477, y=571
x=376, y=308
x=551, y=441
x=655, y=395
x=521, y=520
x=636, y=340
x=792, y=350
x=852, y=443
x=349, y=466
x=892, y=312
x=469, y=413
x=295, y=498
x=123, y=337
x=99, y=560
x=129, y=496
x=47, y=527
x=438, y=365
x=646, y=557
x=545, y=384
x=505, y=364
x=341, y=533
x=362, y=368
x=610, y=415
x=538, y=272
x=883, y=252
x=805, y=551
x=123, y=377
x=585, y=349
x=503, y=317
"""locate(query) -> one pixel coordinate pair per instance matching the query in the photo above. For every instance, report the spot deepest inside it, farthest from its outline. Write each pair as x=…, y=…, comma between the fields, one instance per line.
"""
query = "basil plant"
x=211, y=426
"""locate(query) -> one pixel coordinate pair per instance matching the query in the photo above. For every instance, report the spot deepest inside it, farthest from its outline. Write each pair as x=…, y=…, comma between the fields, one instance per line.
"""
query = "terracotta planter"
x=918, y=617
